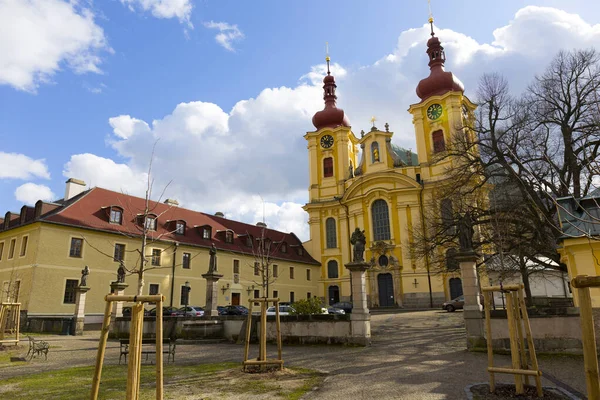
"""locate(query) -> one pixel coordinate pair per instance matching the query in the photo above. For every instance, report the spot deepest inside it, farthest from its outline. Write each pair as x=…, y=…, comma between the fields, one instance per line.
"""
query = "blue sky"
x=81, y=83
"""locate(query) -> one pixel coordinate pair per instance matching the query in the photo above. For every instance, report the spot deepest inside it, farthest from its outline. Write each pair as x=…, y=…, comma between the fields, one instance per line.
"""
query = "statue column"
x=211, y=293
x=360, y=319
x=80, y=293
x=117, y=288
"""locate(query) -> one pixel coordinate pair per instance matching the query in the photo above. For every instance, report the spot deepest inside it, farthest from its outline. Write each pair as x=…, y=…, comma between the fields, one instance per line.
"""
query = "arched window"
x=332, y=269
x=381, y=220
x=438, y=141
x=374, y=152
x=328, y=167
x=330, y=233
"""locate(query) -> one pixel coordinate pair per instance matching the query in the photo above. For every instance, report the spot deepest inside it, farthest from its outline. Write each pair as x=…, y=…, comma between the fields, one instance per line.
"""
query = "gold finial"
x=327, y=56
x=430, y=16
x=373, y=119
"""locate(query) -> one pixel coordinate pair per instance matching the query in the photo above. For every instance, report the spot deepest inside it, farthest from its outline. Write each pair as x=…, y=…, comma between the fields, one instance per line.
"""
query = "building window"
x=275, y=271
x=332, y=269
x=249, y=241
x=300, y=251
x=328, y=167
x=150, y=223
x=438, y=141
x=116, y=216
x=284, y=247
x=184, y=295
x=70, y=291
x=1, y=250
x=229, y=237
x=381, y=220
x=256, y=293
x=153, y=289
x=275, y=294
x=292, y=297
x=206, y=233
x=119, y=252
x=330, y=233
x=185, y=262
x=24, y=245
x=236, y=266
x=256, y=269
x=374, y=152
x=180, y=228
x=308, y=274
x=156, y=256
x=76, y=245
x=291, y=272
x=11, y=249
x=308, y=295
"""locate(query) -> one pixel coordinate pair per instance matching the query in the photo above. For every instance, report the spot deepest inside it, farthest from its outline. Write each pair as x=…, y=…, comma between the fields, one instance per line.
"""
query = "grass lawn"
x=204, y=381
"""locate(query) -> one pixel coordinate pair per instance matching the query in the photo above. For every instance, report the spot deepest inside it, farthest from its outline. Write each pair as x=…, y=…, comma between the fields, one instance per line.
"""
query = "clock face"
x=327, y=141
x=434, y=111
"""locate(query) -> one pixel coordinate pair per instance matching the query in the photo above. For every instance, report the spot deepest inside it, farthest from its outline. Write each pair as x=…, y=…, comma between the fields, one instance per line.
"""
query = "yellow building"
x=43, y=250
x=383, y=193
x=580, y=242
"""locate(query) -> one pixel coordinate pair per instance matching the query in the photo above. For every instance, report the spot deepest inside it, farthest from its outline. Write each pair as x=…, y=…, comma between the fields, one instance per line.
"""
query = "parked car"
x=283, y=310
x=454, y=304
x=191, y=311
x=344, y=305
x=222, y=310
x=236, y=310
x=127, y=311
x=334, y=310
x=167, y=311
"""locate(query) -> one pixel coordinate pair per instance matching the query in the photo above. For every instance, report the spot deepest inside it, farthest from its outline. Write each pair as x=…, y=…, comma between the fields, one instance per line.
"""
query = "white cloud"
x=220, y=160
x=19, y=166
x=227, y=33
x=180, y=9
x=39, y=37
x=29, y=193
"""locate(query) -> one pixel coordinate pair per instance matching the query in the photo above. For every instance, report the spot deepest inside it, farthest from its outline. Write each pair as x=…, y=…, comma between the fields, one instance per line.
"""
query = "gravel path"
x=414, y=355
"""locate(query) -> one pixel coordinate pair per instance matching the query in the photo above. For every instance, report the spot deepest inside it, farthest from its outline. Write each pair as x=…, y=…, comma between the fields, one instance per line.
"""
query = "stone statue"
x=465, y=232
x=84, y=274
x=212, y=265
x=350, y=171
x=358, y=240
x=121, y=274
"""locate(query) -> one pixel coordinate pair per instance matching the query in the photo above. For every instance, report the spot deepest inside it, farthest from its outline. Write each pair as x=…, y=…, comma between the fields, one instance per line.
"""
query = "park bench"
x=37, y=347
x=149, y=347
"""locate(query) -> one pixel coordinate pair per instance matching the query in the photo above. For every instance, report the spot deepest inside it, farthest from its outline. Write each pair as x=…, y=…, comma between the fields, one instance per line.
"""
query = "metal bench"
x=149, y=347
x=37, y=347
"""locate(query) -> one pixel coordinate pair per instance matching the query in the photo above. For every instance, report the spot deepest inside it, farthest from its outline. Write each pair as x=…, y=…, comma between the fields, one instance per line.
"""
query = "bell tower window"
x=328, y=167
x=438, y=141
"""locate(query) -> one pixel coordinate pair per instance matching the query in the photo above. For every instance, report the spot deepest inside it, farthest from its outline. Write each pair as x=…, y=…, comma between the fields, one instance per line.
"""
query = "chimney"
x=219, y=214
x=74, y=187
x=261, y=224
x=172, y=202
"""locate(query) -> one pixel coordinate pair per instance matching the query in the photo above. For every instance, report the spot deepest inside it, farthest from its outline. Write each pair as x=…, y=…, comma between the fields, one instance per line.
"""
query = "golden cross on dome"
x=373, y=119
x=430, y=16
x=327, y=56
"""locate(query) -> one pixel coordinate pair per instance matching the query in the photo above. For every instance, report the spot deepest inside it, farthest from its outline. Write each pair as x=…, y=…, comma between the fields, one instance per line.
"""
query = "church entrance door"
x=334, y=294
x=386, y=290
x=455, y=288
x=235, y=299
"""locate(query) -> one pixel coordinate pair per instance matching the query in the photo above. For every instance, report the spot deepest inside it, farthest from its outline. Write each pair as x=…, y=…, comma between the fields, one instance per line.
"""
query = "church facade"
x=368, y=182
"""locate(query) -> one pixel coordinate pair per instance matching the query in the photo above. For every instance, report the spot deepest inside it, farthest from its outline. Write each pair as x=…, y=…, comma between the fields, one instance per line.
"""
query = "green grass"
x=224, y=379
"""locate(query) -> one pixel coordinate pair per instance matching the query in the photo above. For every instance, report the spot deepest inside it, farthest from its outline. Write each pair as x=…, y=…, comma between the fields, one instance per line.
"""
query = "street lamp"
x=187, y=296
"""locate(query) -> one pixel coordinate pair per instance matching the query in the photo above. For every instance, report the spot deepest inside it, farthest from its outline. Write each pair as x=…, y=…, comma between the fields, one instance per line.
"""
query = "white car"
x=283, y=310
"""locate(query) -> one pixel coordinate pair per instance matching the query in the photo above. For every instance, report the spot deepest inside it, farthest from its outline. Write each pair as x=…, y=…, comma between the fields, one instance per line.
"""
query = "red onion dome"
x=330, y=116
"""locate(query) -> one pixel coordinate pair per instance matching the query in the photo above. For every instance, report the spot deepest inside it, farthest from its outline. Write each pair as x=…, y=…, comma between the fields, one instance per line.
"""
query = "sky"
x=224, y=91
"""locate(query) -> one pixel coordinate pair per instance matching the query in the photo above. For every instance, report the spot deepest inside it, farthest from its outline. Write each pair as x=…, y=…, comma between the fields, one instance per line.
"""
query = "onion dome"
x=330, y=116
x=439, y=81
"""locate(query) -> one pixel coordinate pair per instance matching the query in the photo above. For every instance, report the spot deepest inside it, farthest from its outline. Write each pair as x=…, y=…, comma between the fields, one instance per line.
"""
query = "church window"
x=374, y=152
x=451, y=261
x=330, y=233
x=332, y=269
x=438, y=141
x=328, y=167
x=381, y=220
x=447, y=215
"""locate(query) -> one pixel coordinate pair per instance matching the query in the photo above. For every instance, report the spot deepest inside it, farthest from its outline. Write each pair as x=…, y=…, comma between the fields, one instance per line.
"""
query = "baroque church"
x=382, y=189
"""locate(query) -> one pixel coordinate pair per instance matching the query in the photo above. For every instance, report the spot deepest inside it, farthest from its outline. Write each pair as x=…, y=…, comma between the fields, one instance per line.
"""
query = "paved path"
x=414, y=355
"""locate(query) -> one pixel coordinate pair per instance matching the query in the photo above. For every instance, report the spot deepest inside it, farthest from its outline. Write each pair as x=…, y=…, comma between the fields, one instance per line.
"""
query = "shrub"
x=307, y=306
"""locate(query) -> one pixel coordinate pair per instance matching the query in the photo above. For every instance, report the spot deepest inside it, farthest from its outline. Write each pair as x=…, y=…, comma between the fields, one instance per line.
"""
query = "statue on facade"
x=465, y=232
x=84, y=274
x=358, y=240
x=212, y=264
x=375, y=154
x=121, y=274
x=350, y=171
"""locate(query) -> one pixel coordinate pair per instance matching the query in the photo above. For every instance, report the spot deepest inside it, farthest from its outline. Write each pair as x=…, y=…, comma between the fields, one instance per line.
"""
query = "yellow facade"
x=582, y=257
x=41, y=273
x=406, y=185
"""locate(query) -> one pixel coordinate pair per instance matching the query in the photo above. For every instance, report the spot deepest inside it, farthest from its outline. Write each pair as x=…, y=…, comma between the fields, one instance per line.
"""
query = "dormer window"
x=229, y=237
x=116, y=215
x=180, y=228
x=300, y=251
x=283, y=247
x=249, y=240
x=206, y=232
x=150, y=222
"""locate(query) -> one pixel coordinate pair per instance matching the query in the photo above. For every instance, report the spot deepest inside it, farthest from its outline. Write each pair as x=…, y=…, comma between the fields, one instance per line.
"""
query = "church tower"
x=442, y=111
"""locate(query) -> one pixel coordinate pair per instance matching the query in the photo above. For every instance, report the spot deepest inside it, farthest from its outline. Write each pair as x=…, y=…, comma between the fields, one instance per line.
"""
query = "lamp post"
x=187, y=296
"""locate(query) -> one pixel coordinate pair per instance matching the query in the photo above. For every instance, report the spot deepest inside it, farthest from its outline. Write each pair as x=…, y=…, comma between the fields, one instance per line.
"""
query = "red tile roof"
x=91, y=210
